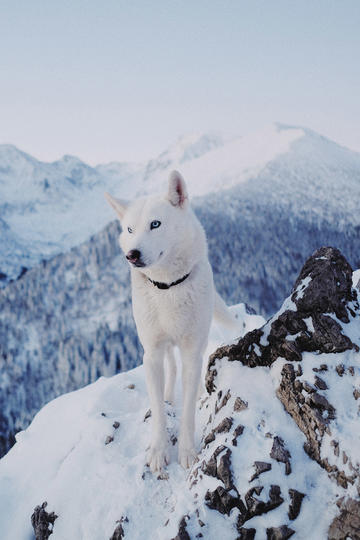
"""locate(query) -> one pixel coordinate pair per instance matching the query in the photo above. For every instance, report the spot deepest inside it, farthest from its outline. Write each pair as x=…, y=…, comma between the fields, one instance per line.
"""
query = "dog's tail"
x=223, y=315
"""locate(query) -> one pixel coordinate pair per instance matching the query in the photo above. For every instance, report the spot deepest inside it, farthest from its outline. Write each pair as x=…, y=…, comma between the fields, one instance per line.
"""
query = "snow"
x=288, y=304
x=356, y=279
x=239, y=160
x=62, y=457
x=300, y=289
x=309, y=324
x=345, y=427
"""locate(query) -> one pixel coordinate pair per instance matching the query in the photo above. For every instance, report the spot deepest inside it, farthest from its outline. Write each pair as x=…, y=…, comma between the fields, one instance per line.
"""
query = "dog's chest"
x=171, y=313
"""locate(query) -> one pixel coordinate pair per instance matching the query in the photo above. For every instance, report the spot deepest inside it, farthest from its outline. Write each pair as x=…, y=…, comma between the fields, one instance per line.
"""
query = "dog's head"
x=151, y=226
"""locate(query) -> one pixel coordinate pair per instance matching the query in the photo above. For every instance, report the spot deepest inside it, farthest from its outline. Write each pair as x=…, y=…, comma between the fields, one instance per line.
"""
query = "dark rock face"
x=239, y=430
x=313, y=416
x=347, y=523
x=224, y=426
x=279, y=533
x=119, y=532
x=331, y=284
x=222, y=501
x=256, y=507
x=280, y=453
x=182, y=534
x=246, y=534
x=324, y=287
x=240, y=405
x=43, y=522
x=296, y=501
x=260, y=467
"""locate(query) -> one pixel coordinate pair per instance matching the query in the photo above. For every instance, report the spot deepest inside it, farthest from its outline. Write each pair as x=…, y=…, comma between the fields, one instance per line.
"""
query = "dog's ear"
x=177, y=193
x=118, y=205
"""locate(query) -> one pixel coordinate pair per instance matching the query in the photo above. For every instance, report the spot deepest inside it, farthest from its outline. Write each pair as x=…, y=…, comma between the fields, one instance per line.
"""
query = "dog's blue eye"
x=130, y=230
x=155, y=224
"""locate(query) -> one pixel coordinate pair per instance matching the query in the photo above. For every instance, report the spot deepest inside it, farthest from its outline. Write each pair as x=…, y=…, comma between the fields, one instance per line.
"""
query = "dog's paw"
x=187, y=457
x=157, y=458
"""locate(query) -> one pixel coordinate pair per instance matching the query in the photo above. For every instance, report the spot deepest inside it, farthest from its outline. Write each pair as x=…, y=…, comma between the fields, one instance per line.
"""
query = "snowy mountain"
x=50, y=207
x=68, y=320
x=266, y=227
x=47, y=208
x=276, y=432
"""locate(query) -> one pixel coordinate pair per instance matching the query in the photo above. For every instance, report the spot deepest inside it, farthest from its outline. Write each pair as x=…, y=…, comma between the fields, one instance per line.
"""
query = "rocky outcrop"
x=347, y=523
x=314, y=339
x=221, y=462
x=182, y=533
x=43, y=522
x=305, y=321
x=314, y=415
x=119, y=532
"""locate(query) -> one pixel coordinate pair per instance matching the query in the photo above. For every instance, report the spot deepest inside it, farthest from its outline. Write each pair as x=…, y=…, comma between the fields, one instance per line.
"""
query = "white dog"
x=174, y=300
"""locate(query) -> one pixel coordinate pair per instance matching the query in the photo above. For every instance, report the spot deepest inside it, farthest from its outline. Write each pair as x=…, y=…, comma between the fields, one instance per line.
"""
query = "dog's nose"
x=133, y=256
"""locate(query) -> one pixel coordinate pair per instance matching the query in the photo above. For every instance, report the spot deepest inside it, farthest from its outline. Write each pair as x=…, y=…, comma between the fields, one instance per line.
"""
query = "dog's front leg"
x=158, y=455
x=191, y=371
x=170, y=375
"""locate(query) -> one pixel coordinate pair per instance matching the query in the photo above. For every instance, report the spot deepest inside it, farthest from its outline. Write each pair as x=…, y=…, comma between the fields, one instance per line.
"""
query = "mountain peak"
x=9, y=153
x=69, y=158
x=191, y=146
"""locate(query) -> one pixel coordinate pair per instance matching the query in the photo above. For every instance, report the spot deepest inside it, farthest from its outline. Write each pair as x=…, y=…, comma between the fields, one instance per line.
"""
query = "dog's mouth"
x=138, y=264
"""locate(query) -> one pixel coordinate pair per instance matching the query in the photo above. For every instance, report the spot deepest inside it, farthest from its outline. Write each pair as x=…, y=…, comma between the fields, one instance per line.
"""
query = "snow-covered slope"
x=258, y=475
x=66, y=443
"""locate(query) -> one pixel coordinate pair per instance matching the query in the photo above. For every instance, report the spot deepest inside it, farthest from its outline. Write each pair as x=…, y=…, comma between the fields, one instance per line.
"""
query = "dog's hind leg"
x=170, y=374
x=158, y=455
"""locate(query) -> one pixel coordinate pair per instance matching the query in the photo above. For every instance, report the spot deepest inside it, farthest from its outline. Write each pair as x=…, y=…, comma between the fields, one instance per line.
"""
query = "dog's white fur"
x=179, y=316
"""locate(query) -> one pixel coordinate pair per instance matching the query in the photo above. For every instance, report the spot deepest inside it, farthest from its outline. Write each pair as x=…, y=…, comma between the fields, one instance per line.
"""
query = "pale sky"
x=121, y=80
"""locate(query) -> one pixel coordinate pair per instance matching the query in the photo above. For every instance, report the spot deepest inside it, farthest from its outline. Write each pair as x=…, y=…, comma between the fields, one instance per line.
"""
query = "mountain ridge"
x=67, y=194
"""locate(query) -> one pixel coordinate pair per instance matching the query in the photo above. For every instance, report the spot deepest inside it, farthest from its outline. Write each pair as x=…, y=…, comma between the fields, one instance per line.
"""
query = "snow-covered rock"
x=317, y=330
x=257, y=475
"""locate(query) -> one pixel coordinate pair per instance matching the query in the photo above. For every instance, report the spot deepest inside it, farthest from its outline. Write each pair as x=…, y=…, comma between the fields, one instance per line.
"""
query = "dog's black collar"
x=160, y=285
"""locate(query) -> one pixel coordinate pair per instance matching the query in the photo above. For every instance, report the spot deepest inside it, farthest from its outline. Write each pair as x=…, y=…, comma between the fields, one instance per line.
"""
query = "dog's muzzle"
x=134, y=257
